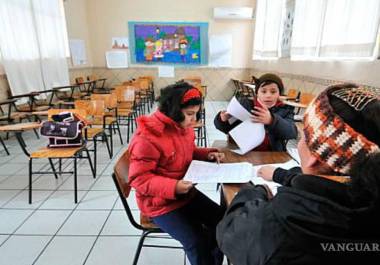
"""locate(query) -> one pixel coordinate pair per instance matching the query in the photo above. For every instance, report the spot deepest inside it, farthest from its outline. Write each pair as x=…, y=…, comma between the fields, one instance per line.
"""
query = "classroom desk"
x=18, y=129
x=295, y=104
x=253, y=157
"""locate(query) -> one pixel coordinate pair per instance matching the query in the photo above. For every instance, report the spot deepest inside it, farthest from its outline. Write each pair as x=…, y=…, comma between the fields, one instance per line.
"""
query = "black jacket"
x=307, y=215
x=281, y=129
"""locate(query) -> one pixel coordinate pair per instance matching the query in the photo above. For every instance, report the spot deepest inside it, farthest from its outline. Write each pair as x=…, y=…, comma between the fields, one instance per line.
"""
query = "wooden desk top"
x=250, y=86
x=295, y=104
x=8, y=101
x=253, y=157
x=20, y=127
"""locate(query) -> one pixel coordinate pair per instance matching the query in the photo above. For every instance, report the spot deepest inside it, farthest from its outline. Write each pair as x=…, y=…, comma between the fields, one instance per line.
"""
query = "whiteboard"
x=78, y=52
x=117, y=59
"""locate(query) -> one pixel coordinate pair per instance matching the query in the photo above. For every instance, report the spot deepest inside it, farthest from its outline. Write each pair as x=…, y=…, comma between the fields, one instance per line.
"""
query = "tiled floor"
x=53, y=230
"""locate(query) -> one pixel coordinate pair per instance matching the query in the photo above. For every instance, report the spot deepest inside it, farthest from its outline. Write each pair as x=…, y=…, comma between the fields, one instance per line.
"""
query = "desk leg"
x=4, y=146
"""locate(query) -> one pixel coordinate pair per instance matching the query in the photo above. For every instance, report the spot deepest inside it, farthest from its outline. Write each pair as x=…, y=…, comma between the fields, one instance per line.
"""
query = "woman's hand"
x=216, y=156
x=183, y=186
x=224, y=115
x=266, y=172
x=261, y=115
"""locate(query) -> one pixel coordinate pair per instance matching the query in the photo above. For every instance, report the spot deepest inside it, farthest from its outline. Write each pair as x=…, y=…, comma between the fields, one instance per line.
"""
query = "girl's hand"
x=261, y=115
x=266, y=172
x=215, y=156
x=183, y=186
x=224, y=115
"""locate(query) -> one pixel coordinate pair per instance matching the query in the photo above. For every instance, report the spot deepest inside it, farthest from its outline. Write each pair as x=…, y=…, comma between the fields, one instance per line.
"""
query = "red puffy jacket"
x=160, y=153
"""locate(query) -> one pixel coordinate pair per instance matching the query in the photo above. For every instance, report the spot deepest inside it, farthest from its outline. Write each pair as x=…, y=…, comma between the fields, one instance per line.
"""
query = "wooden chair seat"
x=47, y=152
x=92, y=132
x=147, y=222
x=99, y=120
x=26, y=108
x=14, y=116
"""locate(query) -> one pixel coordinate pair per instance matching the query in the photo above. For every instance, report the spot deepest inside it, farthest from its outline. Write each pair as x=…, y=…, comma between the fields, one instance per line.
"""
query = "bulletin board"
x=168, y=43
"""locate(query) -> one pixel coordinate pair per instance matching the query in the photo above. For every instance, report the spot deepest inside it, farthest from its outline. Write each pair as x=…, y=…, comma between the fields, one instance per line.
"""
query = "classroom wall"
x=107, y=19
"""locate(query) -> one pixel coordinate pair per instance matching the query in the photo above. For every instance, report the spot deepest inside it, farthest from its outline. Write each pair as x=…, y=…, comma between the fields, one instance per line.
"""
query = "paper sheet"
x=247, y=136
x=166, y=71
x=272, y=185
x=208, y=172
x=78, y=52
x=237, y=110
x=117, y=59
x=220, y=50
x=293, y=152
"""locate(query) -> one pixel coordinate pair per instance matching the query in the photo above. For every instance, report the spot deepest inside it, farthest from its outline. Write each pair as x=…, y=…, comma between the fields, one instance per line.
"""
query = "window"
x=33, y=44
x=322, y=29
x=267, y=29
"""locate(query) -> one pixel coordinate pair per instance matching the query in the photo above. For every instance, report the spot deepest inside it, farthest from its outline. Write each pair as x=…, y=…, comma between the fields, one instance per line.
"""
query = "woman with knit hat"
x=161, y=151
x=327, y=212
x=266, y=108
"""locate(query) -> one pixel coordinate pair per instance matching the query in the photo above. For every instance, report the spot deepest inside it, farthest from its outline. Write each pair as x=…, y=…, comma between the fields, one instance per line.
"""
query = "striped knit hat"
x=328, y=137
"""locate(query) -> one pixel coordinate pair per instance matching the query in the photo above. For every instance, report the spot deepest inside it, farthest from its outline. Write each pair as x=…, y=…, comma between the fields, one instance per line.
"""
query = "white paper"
x=272, y=185
x=220, y=50
x=293, y=152
x=78, y=52
x=247, y=135
x=120, y=43
x=235, y=109
x=208, y=172
x=166, y=71
x=117, y=59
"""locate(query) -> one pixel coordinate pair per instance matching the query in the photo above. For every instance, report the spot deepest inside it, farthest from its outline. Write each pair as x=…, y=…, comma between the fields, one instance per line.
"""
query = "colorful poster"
x=164, y=42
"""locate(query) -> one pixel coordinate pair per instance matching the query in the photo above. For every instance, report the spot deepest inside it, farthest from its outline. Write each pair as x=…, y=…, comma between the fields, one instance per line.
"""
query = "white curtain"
x=32, y=44
x=350, y=28
x=307, y=27
x=335, y=28
x=267, y=28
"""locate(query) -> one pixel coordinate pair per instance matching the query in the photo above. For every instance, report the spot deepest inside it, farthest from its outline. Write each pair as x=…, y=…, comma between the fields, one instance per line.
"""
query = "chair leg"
x=30, y=180
x=107, y=144
x=90, y=162
x=4, y=146
x=111, y=138
x=53, y=168
x=75, y=181
x=95, y=154
x=139, y=247
x=118, y=129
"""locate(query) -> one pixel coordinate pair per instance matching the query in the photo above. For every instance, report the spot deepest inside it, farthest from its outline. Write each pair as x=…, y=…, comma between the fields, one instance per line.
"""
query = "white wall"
x=107, y=19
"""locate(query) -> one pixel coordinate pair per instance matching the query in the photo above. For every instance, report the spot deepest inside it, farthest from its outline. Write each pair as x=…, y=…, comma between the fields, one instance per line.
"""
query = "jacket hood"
x=156, y=123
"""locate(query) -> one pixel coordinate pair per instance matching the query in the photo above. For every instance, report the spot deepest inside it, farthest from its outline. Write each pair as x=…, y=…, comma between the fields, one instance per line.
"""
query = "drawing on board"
x=164, y=42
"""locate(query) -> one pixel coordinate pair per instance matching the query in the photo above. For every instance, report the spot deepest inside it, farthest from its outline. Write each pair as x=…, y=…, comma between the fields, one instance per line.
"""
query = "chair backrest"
x=110, y=100
x=292, y=93
x=120, y=177
x=79, y=80
x=81, y=112
x=306, y=98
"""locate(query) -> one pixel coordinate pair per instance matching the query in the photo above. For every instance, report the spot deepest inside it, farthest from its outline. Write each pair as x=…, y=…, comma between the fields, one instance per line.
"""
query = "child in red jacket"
x=161, y=151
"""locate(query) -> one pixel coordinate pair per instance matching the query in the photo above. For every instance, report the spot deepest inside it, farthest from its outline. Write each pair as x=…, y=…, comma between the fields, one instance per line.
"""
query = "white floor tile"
x=43, y=222
x=15, y=182
x=7, y=195
x=10, y=220
x=104, y=183
x=66, y=250
x=3, y=238
x=98, y=200
x=22, y=250
x=21, y=201
x=84, y=223
x=84, y=182
x=121, y=250
x=62, y=199
x=119, y=224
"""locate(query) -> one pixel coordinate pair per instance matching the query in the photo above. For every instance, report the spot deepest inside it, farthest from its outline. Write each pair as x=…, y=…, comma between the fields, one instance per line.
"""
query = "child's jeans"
x=194, y=226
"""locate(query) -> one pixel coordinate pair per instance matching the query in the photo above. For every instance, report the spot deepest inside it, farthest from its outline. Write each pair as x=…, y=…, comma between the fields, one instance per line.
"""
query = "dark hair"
x=170, y=101
x=268, y=79
x=365, y=170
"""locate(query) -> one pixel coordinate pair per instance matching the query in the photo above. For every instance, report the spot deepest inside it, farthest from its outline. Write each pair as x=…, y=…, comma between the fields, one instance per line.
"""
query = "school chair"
x=73, y=153
x=151, y=88
x=145, y=225
x=97, y=116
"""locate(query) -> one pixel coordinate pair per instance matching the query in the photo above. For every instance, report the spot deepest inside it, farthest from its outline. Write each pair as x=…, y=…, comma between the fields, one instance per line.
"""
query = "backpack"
x=65, y=130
